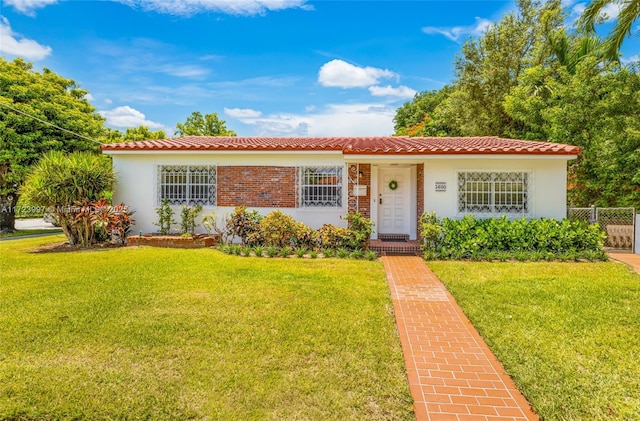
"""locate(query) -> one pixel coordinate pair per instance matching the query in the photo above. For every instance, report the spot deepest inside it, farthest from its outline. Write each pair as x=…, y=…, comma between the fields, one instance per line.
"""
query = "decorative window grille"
x=321, y=186
x=187, y=185
x=493, y=192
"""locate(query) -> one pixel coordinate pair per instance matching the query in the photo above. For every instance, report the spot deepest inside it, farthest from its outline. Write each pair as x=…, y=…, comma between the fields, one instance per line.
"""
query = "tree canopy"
x=23, y=139
x=530, y=77
x=207, y=125
x=629, y=13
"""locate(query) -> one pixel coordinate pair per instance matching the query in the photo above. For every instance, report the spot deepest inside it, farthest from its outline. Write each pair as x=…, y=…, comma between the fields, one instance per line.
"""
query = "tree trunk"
x=8, y=213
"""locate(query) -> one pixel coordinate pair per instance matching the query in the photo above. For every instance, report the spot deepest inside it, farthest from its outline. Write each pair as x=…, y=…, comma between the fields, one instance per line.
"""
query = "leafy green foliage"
x=521, y=239
x=420, y=117
x=165, y=217
x=278, y=229
x=330, y=236
x=115, y=220
x=629, y=13
x=188, y=215
x=207, y=125
x=530, y=77
x=244, y=224
x=69, y=185
x=430, y=231
x=360, y=228
x=24, y=140
x=596, y=109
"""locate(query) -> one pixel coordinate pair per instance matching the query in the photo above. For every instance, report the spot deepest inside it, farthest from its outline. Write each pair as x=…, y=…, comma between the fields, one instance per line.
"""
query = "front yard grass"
x=22, y=233
x=150, y=333
x=568, y=333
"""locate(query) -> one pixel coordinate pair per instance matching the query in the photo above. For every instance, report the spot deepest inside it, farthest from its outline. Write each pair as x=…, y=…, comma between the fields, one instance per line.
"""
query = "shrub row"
x=504, y=239
x=280, y=230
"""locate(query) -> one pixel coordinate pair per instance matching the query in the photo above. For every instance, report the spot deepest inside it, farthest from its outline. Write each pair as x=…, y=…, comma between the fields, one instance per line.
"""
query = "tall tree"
x=629, y=13
x=132, y=134
x=143, y=133
x=419, y=117
x=207, y=125
x=489, y=68
x=595, y=108
x=24, y=139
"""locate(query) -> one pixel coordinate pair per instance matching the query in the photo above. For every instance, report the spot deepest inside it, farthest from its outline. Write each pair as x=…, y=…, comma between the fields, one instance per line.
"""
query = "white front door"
x=394, y=205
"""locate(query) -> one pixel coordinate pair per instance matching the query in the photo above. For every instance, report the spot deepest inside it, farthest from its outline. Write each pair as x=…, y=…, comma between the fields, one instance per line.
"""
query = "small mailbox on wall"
x=441, y=186
x=359, y=190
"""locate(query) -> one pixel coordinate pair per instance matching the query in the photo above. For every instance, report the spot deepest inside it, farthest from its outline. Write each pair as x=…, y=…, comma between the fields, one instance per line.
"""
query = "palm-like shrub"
x=68, y=184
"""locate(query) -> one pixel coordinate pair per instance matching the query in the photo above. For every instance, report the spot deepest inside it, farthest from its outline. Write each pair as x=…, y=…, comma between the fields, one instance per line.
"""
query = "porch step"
x=406, y=247
x=393, y=237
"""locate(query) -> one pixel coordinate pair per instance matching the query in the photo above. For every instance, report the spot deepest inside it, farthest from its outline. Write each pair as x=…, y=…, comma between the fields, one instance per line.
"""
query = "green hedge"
x=502, y=238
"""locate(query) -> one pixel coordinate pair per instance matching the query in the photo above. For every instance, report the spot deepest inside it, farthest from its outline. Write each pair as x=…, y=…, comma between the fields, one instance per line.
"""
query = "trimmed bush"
x=503, y=239
x=278, y=229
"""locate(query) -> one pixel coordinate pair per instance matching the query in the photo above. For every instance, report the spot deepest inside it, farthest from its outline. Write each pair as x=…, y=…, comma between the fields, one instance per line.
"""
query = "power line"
x=50, y=124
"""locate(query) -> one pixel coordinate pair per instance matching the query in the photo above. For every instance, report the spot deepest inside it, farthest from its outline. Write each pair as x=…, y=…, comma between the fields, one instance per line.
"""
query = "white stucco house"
x=392, y=180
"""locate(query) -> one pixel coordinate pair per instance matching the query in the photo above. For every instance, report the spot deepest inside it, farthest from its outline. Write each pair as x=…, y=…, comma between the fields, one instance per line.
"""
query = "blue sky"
x=268, y=67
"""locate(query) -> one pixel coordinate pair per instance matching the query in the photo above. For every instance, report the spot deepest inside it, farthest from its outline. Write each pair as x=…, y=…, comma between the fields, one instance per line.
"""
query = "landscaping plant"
x=360, y=228
x=244, y=224
x=277, y=229
x=68, y=184
x=165, y=217
x=501, y=238
x=188, y=215
x=114, y=220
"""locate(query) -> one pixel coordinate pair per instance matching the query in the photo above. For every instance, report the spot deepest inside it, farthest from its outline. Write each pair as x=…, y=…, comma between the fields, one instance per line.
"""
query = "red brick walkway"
x=452, y=373
x=630, y=259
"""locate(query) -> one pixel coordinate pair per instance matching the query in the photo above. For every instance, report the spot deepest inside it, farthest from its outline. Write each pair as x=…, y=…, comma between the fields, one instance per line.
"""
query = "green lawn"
x=568, y=333
x=21, y=233
x=174, y=334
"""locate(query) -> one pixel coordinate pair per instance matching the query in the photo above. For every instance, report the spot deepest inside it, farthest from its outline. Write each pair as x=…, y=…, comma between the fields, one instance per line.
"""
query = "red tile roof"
x=391, y=145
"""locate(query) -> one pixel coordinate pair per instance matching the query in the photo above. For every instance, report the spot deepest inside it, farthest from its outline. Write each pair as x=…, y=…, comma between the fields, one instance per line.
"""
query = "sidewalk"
x=630, y=259
x=452, y=373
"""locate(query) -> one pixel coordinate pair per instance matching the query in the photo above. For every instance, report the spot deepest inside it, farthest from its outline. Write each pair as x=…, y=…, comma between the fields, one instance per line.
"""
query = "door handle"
x=380, y=198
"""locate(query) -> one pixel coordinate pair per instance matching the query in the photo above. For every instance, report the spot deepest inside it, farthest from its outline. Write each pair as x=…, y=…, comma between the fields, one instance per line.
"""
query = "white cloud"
x=609, y=12
x=187, y=71
x=231, y=7
x=108, y=101
x=89, y=97
x=240, y=113
x=332, y=120
x=28, y=7
x=456, y=32
x=612, y=10
x=14, y=44
x=399, y=92
x=630, y=59
x=127, y=117
x=341, y=74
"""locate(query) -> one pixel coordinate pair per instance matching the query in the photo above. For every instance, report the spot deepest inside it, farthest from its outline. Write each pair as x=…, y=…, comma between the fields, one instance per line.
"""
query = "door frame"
x=413, y=203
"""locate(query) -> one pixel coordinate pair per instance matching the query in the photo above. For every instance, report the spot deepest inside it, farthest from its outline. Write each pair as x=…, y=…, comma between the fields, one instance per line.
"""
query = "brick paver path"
x=452, y=373
x=630, y=259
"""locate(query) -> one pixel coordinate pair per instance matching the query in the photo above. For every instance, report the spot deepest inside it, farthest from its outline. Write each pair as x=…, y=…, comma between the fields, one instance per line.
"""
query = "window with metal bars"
x=187, y=184
x=321, y=186
x=501, y=193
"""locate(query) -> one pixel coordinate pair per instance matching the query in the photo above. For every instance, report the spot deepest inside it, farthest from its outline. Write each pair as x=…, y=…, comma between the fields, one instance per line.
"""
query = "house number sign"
x=441, y=186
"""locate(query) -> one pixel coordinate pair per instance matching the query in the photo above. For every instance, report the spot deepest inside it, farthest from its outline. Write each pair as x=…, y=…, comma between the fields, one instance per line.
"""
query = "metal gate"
x=618, y=223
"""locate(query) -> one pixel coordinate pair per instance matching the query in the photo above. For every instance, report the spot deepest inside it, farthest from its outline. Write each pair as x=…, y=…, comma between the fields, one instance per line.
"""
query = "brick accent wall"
x=257, y=186
x=364, y=202
x=361, y=203
x=420, y=193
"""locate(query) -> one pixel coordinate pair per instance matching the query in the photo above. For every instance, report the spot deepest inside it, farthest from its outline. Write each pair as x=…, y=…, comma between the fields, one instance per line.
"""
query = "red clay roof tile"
x=390, y=145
